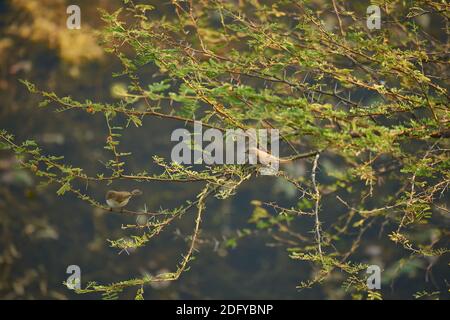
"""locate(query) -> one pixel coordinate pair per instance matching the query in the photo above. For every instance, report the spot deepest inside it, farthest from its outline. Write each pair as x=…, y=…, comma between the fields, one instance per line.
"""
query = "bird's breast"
x=116, y=204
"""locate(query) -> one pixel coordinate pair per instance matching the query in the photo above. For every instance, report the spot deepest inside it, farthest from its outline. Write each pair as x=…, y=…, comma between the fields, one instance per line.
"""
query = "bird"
x=119, y=199
x=265, y=158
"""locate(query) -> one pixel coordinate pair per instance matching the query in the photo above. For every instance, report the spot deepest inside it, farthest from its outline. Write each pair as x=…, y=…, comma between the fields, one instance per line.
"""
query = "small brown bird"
x=119, y=199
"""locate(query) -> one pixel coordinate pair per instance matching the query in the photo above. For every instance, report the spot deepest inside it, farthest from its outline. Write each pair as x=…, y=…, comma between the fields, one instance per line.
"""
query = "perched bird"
x=119, y=199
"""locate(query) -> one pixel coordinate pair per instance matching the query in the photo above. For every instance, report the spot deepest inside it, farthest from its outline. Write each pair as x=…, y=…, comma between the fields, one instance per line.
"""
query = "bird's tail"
x=136, y=192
